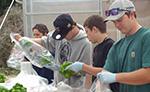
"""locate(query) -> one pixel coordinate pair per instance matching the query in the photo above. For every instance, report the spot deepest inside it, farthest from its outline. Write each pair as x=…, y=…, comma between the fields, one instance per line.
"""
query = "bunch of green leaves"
x=18, y=88
x=67, y=73
x=46, y=60
x=2, y=78
x=3, y=89
x=26, y=43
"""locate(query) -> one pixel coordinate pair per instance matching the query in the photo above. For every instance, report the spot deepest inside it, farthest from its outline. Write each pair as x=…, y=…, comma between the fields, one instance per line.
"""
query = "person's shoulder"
x=110, y=40
x=118, y=42
x=50, y=33
x=145, y=30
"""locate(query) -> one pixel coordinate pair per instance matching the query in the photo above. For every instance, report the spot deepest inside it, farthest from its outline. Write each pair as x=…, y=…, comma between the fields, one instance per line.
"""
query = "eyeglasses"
x=114, y=11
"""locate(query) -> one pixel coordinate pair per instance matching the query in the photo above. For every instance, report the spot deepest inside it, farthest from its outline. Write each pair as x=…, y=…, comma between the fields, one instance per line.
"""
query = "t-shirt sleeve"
x=48, y=42
x=146, y=50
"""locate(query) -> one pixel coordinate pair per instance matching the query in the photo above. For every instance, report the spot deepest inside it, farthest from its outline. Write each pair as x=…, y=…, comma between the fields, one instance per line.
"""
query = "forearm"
x=37, y=40
x=91, y=70
x=138, y=77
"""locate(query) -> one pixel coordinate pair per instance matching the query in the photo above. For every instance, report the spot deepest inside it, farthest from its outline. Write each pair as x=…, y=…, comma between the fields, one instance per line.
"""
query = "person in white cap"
x=128, y=61
x=70, y=44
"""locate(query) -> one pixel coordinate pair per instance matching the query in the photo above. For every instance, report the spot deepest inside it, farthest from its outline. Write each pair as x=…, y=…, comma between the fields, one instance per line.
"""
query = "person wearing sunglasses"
x=128, y=61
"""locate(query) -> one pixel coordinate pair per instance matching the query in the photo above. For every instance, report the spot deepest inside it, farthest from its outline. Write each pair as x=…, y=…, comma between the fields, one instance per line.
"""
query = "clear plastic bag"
x=97, y=86
x=37, y=54
x=15, y=58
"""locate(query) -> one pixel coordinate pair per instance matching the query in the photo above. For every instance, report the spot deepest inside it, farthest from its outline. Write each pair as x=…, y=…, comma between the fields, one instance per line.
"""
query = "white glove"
x=55, y=67
x=77, y=66
x=106, y=77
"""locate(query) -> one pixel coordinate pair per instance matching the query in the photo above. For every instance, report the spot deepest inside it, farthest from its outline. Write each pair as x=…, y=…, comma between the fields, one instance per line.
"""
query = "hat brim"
x=58, y=36
x=115, y=17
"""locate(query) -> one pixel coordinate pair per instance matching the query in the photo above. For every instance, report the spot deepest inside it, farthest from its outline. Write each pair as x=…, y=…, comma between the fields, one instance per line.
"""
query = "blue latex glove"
x=77, y=66
x=55, y=67
x=106, y=77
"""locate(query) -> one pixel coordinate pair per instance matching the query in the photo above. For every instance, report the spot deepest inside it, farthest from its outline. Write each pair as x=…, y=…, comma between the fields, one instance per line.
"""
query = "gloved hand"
x=106, y=77
x=55, y=67
x=77, y=66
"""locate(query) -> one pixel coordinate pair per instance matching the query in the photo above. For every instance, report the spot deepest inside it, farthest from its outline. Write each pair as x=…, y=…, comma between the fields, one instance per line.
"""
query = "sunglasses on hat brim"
x=114, y=11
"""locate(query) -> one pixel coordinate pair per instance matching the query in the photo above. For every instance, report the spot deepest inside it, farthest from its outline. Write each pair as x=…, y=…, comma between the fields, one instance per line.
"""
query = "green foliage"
x=8, y=71
x=46, y=60
x=2, y=78
x=67, y=73
x=3, y=89
x=3, y=5
x=13, y=23
x=18, y=88
x=27, y=43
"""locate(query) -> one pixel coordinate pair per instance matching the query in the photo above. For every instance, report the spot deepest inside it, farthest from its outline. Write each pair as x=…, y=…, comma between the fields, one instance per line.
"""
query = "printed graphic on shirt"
x=133, y=54
x=65, y=52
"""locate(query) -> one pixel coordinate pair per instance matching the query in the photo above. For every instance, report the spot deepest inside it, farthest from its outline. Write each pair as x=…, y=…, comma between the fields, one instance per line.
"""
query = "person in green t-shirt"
x=128, y=61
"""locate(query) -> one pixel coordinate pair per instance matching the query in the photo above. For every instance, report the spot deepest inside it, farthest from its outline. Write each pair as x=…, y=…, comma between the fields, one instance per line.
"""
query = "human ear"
x=132, y=14
x=94, y=28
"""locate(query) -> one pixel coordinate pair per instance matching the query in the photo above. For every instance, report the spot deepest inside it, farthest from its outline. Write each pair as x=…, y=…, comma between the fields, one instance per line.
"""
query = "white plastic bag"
x=63, y=87
x=97, y=86
x=30, y=80
x=36, y=53
x=33, y=83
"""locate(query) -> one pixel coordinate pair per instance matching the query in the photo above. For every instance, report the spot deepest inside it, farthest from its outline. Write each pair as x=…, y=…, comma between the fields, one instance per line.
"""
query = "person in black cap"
x=70, y=43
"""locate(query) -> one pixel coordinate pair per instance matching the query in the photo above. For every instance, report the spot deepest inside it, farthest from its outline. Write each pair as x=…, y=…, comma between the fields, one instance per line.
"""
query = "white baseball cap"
x=123, y=5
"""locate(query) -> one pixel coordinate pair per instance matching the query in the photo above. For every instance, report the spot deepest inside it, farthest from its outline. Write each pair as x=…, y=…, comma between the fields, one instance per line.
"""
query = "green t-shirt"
x=129, y=54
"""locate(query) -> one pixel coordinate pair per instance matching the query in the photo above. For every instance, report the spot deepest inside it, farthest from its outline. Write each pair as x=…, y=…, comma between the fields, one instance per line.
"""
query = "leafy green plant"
x=27, y=43
x=67, y=73
x=2, y=78
x=9, y=71
x=4, y=89
x=46, y=60
x=18, y=88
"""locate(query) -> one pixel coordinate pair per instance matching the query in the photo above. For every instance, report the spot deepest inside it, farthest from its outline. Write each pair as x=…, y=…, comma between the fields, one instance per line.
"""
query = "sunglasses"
x=114, y=11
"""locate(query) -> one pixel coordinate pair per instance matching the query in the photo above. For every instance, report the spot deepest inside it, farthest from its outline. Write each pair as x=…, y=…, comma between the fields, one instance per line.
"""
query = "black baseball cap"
x=63, y=24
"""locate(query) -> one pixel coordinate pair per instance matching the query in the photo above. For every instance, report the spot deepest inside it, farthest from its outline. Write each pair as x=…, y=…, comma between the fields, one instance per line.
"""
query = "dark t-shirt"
x=99, y=56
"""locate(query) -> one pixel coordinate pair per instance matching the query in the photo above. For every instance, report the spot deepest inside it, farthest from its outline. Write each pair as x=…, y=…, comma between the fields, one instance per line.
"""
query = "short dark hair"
x=41, y=27
x=97, y=21
x=128, y=14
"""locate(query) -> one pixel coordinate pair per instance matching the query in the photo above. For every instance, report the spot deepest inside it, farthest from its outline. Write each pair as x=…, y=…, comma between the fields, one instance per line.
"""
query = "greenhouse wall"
x=45, y=11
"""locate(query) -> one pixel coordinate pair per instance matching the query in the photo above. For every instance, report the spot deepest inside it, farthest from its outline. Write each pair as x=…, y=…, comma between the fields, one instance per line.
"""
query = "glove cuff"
x=81, y=64
x=114, y=77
